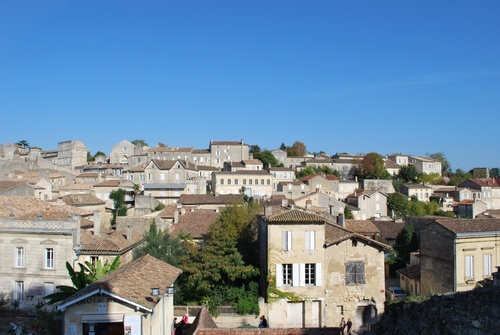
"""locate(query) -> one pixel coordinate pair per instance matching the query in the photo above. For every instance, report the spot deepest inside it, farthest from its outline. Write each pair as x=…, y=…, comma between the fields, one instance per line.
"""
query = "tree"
x=458, y=177
x=408, y=173
x=283, y=147
x=118, y=197
x=298, y=149
x=430, y=178
x=348, y=214
x=373, y=167
x=160, y=244
x=23, y=143
x=254, y=149
x=397, y=203
x=406, y=242
x=267, y=158
x=495, y=172
x=88, y=274
x=99, y=153
x=161, y=145
x=139, y=143
x=445, y=165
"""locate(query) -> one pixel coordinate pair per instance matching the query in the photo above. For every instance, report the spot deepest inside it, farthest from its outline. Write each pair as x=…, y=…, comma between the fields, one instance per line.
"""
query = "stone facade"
x=71, y=154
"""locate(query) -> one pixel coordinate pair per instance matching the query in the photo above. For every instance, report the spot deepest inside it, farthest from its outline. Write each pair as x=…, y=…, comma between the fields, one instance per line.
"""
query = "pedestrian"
x=349, y=326
x=342, y=326
x=174, y=326
x=263, y=322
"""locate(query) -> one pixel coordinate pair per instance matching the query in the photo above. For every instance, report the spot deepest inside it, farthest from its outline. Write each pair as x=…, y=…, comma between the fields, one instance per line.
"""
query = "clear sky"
x=357, y=76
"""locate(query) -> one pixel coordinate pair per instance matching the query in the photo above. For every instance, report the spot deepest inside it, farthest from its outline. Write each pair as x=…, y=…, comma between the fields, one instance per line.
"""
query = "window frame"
x=49, y=258
x=20, y=257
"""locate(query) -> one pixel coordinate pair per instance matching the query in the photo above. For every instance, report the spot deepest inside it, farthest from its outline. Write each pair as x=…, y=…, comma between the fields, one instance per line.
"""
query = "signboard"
x=132, y=325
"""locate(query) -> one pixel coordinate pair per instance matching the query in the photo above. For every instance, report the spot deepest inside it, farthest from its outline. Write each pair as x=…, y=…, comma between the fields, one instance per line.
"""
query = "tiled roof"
x=210, y=199
x=389, y=164
x=79, y=186
x=8, y=184
x=207, y=168
x=275, y=168
x=225, y=143
x=485, y=182
x=389, y=230
x=133, y=281
x=195, y=223
x=244, y=172
x=108, y=183
x=458, y=226
x=361, y=226
x=82, y=200
x=412, y=272
x=295, y=216
x=417, y=186
x=109, y=241
x=336, y=234
x=29, y=208
x=252, y=162
x=331, y=177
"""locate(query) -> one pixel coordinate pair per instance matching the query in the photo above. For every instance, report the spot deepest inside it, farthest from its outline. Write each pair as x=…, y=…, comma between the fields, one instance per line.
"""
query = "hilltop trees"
x=373, y=167
x=267, y=158
x=118, y=198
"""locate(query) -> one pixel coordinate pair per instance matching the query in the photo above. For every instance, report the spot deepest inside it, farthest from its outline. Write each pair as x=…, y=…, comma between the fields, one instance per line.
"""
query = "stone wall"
x=469, y=312
x=268, y=331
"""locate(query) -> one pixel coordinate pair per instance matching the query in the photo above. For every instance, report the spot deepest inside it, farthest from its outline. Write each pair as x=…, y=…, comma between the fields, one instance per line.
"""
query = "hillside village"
x=323, y=238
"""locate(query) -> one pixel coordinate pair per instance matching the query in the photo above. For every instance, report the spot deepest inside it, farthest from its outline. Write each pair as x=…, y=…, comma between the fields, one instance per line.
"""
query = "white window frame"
x=287, y=274
x=469, y=266
x=286, y=240
x=49, y=258
x=487, y=264
x=310, y=239
x=20, y=257
x=19, y=291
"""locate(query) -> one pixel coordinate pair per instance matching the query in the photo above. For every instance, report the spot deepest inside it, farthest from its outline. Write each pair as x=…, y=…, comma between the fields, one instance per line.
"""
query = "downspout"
x=455, y=263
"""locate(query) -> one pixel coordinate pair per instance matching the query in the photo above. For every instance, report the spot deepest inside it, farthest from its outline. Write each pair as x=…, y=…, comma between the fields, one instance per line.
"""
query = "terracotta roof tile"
x=82, y=200
x=210, y=199
x=295, y=216
x=29, y=208
x=361, y=226
x=389, y=230
x=108, y=242
x=195, y=223
x=458, y=226
x=412, y=272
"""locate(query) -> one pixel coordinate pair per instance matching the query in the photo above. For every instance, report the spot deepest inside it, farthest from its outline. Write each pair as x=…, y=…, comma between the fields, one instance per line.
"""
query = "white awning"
x=102, y=318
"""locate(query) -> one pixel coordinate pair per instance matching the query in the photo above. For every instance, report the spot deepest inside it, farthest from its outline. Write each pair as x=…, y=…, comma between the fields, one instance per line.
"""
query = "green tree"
x=118, y=197
x=23, y=143
x=430, y=178
x=253, y=149
x=408, y=173
x=397, y=202
x=458, y=177
x=160, y=244
x=373, y=167
x=348, y=214
x=88, y=274
x=495, y=172
x=267, y=158
x=445, y=165
x=298, y=149
x=139, y=143
x=406, y=242
x=284, y=147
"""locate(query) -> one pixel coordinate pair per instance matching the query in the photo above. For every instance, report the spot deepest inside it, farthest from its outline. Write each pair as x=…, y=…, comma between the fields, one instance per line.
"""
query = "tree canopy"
x=408, y=173
x=373, y=167
x=139, y=143
x=298, y=149
x=445, y=165
x=313, y=170
x=267, y=158
x=118, y=197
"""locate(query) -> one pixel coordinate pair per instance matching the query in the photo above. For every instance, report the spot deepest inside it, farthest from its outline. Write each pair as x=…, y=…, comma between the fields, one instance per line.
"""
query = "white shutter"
x=284, y=235
x=302, y=274
x=289, y=240
x=295, y=275
x=310, y=234
x=319, y=275
x=279, y=275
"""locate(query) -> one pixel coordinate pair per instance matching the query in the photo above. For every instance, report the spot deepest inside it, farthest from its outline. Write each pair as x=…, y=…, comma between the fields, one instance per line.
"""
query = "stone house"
x=388, y=231
x=247, y=164
x=332, y=271
x=194, y=222
x=136, y=298
x=455, y=254
x=320, y=203
x=167, y=180
x=71, y=154
x=122, y=151
x=227, y=151
x=392, y=167
x=370, y=203
x=346, y=187
x=421, y=191
x=292, y=189
x=253, y=183
x=281, y=174
x=470, y=208
x=489, y=190
x=210, y=201
x=328, y=184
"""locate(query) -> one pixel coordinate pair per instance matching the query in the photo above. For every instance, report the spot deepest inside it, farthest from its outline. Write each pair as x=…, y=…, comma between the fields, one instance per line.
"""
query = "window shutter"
x=279, y=275
x=284, y=235
x=319, y=275
x=295, y=275
x=289, y=240
x=302, y=274
x=310, y=234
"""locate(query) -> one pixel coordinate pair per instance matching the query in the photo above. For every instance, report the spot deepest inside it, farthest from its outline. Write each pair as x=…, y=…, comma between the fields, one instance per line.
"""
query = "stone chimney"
x=268, y=211
x=308, y=204
x=97, y=223
x=176, y=215
x=340, y=220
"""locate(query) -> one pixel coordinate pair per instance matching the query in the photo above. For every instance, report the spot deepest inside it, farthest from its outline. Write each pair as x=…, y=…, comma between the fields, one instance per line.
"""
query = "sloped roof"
x=412, y=272
x=202, y=321
x=10, y=184
x=30, y=208
x=210, y=199
x=361, y=226
x=335, y=234
x=132, y=281
x=195, y=223
x=82, y=200
x=459, y=226
x=389, y=230
x=295, y=216
x=389, y=164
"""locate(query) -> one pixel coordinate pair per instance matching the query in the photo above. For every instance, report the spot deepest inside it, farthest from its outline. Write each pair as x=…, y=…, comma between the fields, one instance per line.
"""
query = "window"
x=310, y=274
x=249, y=181
x=287, y=274
x=229, y=181
x=236, y=182
x=256, y=182
x=49, y=258
x=269, y=182
x=354, y=273
x=244, y=181
x=286, y=239
x=176, y=176
x=222, y=181
x=19, y=257
x=310, y=240
x=19, y=292
x=487, y=264
x=262, y=181
x=48, y=288
x=469, y=266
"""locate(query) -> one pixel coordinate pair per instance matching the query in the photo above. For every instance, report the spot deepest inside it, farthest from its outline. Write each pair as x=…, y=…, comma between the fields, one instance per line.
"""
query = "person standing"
x=349, y=326
x=263, y=322
x=342, y=326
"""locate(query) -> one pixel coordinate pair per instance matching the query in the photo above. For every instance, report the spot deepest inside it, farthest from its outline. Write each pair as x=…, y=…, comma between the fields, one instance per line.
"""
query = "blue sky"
x=414, y=77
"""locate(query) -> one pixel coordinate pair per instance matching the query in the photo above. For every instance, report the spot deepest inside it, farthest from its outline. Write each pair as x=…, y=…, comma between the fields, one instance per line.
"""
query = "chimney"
x=308, y=204
x=97, y=223
x=340, y=220
x=176, y=215
x=129, y=232
x=268, y=211
x=284, y=202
